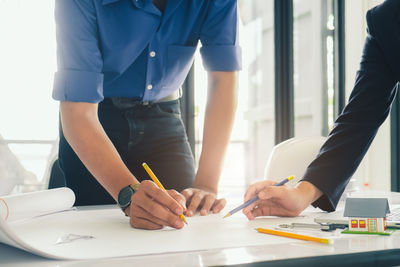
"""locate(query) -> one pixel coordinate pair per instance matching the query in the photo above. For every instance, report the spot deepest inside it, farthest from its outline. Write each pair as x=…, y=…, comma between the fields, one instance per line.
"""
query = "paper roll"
x=29, y=205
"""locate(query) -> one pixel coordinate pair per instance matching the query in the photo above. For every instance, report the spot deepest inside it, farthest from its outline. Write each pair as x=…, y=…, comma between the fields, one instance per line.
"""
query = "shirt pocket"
x=179, y=61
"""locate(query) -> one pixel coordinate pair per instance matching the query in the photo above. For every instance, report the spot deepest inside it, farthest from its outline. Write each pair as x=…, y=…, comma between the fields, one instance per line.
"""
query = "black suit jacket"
x=368, y=107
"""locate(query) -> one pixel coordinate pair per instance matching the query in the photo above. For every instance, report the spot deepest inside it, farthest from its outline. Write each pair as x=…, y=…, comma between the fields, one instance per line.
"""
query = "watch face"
x=124, y=196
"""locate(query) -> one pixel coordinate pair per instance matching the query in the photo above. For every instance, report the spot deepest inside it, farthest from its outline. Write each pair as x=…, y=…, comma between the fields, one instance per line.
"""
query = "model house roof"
x=366, y=207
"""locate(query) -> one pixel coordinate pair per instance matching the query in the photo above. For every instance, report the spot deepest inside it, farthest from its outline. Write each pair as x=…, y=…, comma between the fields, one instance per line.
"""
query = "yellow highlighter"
x=154, y=178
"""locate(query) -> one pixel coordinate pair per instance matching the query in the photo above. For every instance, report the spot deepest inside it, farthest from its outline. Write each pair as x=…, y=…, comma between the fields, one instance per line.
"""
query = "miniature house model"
x=367, y=214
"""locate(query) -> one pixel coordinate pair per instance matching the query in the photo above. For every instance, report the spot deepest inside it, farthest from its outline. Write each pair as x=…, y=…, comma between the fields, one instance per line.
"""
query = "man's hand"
x=279, y=200
x=204, y=200
x=153, y=208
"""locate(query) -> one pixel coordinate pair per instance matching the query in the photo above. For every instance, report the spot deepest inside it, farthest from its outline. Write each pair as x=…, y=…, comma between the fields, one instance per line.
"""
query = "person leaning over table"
x=369, y=105
x=120, y=67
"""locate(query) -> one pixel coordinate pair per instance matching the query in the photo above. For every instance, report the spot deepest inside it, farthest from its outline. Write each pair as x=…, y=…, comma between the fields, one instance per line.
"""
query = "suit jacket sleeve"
x=368, y=107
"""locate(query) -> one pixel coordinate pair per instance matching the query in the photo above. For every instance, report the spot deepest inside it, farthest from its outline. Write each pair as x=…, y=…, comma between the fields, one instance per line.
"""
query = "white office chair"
x=292, y=157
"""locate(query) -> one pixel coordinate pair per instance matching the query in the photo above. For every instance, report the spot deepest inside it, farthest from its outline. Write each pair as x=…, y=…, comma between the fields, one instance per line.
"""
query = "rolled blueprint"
x=28, y=205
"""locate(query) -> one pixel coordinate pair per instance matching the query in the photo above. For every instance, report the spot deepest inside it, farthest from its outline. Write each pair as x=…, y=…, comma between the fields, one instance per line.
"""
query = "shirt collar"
x=170, y=8
x=172, y=5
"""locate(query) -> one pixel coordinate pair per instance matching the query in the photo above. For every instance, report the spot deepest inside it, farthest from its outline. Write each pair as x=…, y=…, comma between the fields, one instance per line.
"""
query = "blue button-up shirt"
x=128, y=48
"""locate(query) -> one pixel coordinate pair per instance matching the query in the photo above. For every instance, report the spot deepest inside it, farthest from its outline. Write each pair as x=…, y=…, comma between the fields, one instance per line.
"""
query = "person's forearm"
x=86, y=136
x=219, y=117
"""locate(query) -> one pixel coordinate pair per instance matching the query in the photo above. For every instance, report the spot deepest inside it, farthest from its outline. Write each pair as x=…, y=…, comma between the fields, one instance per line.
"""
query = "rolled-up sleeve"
x=79, y=76
x=219, y=37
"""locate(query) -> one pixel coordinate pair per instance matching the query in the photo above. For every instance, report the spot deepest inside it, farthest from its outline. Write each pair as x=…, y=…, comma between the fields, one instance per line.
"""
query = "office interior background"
x=300, y=58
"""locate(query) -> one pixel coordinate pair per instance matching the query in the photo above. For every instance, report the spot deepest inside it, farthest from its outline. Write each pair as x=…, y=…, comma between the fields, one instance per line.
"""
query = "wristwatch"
x=125, y=196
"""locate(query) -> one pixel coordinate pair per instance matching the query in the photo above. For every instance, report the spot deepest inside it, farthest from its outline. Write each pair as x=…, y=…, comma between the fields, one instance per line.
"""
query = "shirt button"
x=149, y=87
x=152, y=54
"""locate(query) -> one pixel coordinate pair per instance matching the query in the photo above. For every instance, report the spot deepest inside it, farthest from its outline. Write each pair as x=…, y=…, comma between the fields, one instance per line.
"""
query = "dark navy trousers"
x=152, y=133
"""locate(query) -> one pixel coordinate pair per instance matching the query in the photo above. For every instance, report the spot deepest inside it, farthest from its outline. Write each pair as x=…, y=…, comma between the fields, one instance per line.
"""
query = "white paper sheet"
x=106, y=233
x=113, y=237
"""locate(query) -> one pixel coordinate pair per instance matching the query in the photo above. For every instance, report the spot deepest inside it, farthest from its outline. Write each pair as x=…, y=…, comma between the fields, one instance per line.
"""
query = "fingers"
x=257, y=187
x=203, y=200
x=152, y=207
x=144, y=220
x=263, y=208
x=160, y=197
x=276, y=201
x=144, y=224
x=276, y=192
x=219, y=205
x=264, y=190
x=178, y=197
x=255, y=213
x=188, y=193
x=213, y=204
x=195, y=201
x=251, y=207
x=272, y=208
x=208, y=202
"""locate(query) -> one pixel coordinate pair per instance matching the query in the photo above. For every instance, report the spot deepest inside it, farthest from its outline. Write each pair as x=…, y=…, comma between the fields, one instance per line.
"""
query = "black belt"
x=125, y=102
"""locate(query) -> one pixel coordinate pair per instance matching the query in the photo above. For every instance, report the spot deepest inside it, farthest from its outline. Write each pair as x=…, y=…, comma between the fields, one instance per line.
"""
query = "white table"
x=349, y=250
x=360, y=249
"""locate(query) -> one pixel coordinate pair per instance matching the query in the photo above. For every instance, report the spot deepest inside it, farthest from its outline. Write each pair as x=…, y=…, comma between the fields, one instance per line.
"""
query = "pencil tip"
x=184, y=219
x=227, y=215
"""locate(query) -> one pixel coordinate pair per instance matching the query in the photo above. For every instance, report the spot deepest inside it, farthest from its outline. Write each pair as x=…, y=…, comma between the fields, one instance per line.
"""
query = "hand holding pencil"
x=158, y=183
x=255, y=198
x=279, y=200
x=153, y=208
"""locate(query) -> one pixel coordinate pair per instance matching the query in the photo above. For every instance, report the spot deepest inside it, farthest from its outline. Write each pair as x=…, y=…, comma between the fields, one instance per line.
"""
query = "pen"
x=154, y=178
x=244, y=205
x=292, y=235
x=327, y=227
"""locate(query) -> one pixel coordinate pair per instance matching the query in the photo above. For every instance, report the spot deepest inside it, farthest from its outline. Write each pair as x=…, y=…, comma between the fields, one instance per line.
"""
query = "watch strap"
x=135, y=187
x=125, y=195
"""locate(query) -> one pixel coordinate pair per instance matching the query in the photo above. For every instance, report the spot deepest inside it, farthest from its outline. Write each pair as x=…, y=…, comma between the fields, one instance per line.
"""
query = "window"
x=28, y=115
x=313, y=45
x=354, y=223
x=253, y=133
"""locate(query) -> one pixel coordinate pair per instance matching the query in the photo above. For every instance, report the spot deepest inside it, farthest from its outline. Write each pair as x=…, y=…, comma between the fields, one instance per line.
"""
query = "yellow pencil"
x=292, y=235
x=154, y=178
